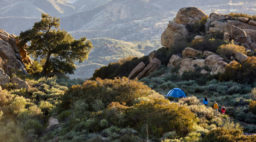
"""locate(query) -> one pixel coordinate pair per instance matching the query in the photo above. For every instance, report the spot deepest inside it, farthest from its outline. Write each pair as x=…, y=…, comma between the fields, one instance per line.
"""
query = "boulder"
x=218, y=68
x=174, y=33
x=203, y=71
x=19, y=83
x=199, y=37
x=189, y=52
x=199, y=63
x=186, y=66
x=10, y=54
x=252, y=22
x=136, y=70
x=4, y=78
x=174, y=61
x=240, y=57
x=207, y=53
x=52, y=122
x=216, y=64
x=243, y=19
x=152, y=66
x=189, y=15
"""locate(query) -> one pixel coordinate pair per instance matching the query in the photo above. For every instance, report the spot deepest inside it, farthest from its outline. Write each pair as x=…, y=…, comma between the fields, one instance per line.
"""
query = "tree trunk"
x=46, y=64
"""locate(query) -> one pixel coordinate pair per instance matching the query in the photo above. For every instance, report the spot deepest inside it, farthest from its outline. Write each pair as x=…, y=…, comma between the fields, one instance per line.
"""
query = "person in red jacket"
x=223, y=110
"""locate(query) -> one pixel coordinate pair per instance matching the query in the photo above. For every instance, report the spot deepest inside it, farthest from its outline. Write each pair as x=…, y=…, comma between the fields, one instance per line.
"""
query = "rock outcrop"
x=240, y=29
x=142, y=70
x=189, y=15
x=212, y=61
x=216, y=64
x=11, y=59
x=176, y=30
x=174, y=61
x=174, y=33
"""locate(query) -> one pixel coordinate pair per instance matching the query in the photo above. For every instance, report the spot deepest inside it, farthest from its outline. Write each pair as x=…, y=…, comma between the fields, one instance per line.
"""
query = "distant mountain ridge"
x=130, y=20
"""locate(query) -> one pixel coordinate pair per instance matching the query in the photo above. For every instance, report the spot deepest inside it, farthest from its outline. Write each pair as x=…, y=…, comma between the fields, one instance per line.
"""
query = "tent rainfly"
x=176, y=93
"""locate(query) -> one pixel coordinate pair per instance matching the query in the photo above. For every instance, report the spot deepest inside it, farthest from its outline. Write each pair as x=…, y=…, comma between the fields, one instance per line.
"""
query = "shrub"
x=229, y=50
x=35, y=68
x=227, y=135
x=252, y=106
x=148, y=113
x=197, y=28
x=253, y=17
x=209, y=44
x=244, y=72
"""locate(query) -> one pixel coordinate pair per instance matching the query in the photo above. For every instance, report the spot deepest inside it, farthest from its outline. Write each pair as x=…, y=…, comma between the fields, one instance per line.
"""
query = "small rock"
x=174, y=61
x=203, y=71
x=199, y=37
x=252, y=22
x=243, y=19
x=191, y=53
x=20, y=83
x=241, y=57
x=208, y=53
x=4, y=78
x=52, y=122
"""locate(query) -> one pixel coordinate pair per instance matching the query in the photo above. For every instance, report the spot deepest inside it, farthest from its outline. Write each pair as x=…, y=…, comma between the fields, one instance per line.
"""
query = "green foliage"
x=252, y=17
x=148, y=113
x=227, y=135
x=106, y=106
x=56, y=49
x=35, y=68
x=229, y=50
x=207, y=44
x=244, y=72
x=197, y=28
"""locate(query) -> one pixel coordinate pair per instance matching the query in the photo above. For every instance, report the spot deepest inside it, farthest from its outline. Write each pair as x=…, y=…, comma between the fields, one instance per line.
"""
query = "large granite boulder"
x=174, y=33
x=189, y=15
x=11, y=61
x=190, y=65
x=174, y=61
x=216, y=64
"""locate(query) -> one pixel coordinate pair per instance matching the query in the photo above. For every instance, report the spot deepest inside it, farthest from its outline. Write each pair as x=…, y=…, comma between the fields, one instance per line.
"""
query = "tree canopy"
x=55, y=49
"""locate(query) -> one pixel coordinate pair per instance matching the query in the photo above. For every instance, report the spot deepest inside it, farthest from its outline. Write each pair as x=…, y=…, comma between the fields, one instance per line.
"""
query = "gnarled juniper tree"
x=56, y=49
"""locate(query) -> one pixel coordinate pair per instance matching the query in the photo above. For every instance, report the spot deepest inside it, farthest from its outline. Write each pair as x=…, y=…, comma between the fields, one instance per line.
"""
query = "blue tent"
x=176, y=93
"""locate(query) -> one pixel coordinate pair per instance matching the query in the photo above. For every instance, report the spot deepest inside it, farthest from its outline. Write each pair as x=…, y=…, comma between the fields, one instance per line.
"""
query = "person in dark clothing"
x=205, y=101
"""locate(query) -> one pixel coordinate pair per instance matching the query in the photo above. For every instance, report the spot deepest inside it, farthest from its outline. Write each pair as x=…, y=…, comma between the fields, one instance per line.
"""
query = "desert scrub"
x=243, y=72
x=252, y=17
x=227, y=135
x=206, y=44
x=101, y=105
x=229, y=50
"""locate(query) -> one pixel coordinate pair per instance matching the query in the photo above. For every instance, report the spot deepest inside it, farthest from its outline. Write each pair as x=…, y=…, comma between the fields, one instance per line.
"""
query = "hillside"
x=129, y=20
x=211, y=56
